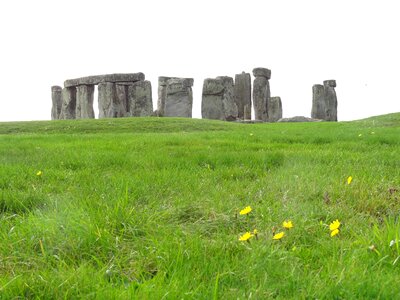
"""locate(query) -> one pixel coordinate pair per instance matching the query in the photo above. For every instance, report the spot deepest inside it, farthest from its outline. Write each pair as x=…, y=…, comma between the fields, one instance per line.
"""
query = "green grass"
x=147, y=208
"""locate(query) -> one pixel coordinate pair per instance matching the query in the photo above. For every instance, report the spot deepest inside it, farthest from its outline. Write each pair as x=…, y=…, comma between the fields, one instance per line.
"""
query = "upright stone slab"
x=324, y=104
x=178, y=98
x=140, y=99
x=84, y=102
x=318, y=110
x=68, y=109
x=110, y=105
x=243, y=95
x=330, y=100
x=218, y=101
x=56, y=98
x=162, y=93
x=261, y=93
x=274, y=109
x=122, y=96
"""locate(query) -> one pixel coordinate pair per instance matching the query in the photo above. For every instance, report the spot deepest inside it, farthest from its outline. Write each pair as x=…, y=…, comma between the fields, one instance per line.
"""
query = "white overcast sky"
x=357, y=43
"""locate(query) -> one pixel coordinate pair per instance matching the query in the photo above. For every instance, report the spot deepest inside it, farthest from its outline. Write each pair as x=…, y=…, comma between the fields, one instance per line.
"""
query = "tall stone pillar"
x=140, y=99
x=84, y=102
x=162, y=94
x=318, y=110
x=243, y=95
x=178, y=98
x=56, y=98
x=218, y=101
x=274, y=109
x=324, y=104
x=330, y=100
x=261, y=93
x=68, y=109
x=122, y=96
x=110, y=105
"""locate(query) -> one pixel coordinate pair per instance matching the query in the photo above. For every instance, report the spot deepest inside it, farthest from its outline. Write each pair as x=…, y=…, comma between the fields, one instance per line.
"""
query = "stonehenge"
x=223, y=98
x=324, y=101
x=119, y=95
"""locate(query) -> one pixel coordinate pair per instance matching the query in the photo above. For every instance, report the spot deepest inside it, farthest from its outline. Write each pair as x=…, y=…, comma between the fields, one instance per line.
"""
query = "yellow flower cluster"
x=334, y=227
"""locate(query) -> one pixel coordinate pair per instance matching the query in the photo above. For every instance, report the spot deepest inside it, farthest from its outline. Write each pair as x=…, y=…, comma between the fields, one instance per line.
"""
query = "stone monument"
x=261, y=93
x=243, y=95
x=178, y=101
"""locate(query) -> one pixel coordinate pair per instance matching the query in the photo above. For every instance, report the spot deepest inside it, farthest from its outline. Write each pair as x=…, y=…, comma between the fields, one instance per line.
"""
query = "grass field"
x=148, y=208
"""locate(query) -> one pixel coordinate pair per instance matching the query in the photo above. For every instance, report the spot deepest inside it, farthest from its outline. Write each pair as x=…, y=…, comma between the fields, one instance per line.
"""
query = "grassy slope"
x=148, y=209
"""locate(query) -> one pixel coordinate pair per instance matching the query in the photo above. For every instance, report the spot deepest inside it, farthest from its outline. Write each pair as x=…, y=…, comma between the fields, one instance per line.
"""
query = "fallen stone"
x=178, y=98
x=299, y=119
x=56, y=97
x=242, y=91
x=68, y=109
x=140, y=99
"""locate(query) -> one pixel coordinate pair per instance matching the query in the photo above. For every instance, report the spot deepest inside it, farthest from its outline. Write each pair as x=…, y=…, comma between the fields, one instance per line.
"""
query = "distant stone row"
x=129, y=95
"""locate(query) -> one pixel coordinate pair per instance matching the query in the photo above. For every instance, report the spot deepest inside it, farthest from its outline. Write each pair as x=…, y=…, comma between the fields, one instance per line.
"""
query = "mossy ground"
x=147, y=208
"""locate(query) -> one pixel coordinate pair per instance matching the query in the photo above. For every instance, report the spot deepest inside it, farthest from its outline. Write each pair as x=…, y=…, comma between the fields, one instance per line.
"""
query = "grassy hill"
x=148, y=208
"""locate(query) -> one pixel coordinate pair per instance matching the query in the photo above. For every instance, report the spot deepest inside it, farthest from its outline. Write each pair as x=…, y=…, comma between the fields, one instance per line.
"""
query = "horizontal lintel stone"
x=264, y=72
x=93, y=80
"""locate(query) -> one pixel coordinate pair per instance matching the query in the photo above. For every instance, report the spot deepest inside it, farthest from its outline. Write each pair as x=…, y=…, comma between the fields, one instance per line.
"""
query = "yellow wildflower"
x=334, y=232
x=278, y=236
x=287, y=224
x=39, y=173
x=334, y=225
x=245, y=211
x=255, y=231
x=246, y=236
x=349, y=179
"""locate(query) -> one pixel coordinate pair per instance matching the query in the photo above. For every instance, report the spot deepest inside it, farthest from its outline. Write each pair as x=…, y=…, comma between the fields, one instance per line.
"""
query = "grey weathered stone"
x=178, y=100
x=218, y=101
x=263, y=72
x=93, y=80
x=318, y=110
x=261, y=94
x=243, y=95
x=162, y=93
x=274, y=109
x=324, y=104
x=84, y=102
x=330, y=100
x=122, y=95
x=110, y=105
x=56, y=97
x=140, y=99
x=299, y=119
x=68, y=109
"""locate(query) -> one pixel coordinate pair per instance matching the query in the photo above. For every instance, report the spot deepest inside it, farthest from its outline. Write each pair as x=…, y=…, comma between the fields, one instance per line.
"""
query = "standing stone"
x=68, y=109
x=324, y=104
x=162, y=94
x=84, y=102
x=110, y=105
x=330, y=100
x=178, y=98
x=218, y=101
x=261, y=93
x=56, y=97
x=274, y=109
x=122, y=96
x=243, y=95
x=318, y=110
x=140, y=99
